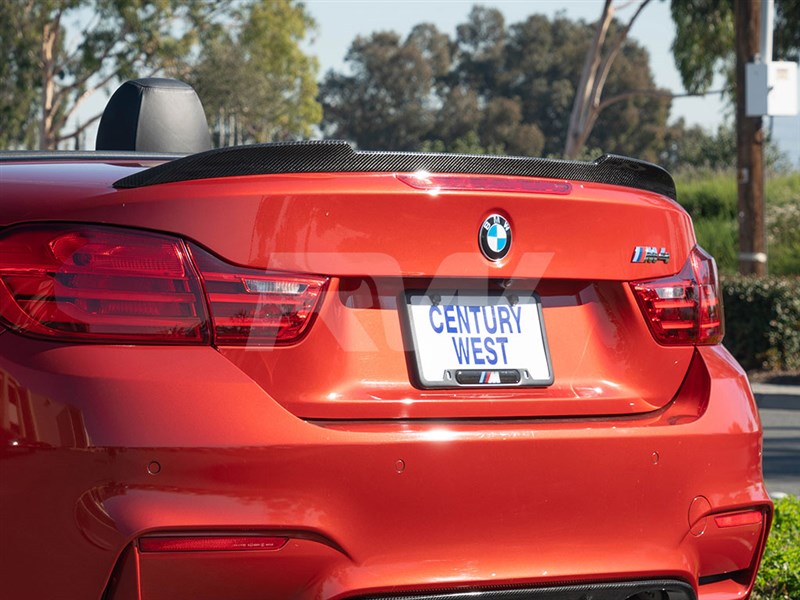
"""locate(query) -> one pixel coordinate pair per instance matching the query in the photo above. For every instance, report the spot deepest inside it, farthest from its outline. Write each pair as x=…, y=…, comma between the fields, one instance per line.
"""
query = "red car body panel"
x=615, y=472
x=614, y=368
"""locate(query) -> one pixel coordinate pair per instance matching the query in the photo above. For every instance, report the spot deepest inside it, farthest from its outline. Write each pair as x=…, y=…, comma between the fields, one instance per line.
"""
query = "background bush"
x=707, y=194
x=779, y=575
x=710, y=198
x=762, y=321
x=719, y=236
x=762, y=315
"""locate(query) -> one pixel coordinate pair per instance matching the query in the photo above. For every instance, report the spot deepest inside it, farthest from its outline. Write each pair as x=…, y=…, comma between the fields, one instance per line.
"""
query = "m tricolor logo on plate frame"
x=494, y=237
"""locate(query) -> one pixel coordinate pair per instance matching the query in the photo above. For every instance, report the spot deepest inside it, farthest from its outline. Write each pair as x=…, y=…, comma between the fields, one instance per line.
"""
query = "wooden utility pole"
x=749, y=147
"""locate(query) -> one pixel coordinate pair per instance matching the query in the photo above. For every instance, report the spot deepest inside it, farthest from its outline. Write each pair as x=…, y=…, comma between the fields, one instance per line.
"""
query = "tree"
x=256, y=83
x=64, y=66
x=494, y=88
x=698, y=149
x=632, y=98
x=389, y=100
x=247, y=51
x=787, y=29
x=17, y=79
x=600, y=56
x=541, y=58
x=502, y=127
x=703, y=42
x=700, y=56
x=480, y=49
x=543, y=67
x=704, y=39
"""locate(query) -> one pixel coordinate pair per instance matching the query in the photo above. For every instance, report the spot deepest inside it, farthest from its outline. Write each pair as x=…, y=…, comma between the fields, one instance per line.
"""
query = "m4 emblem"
x=649, y=254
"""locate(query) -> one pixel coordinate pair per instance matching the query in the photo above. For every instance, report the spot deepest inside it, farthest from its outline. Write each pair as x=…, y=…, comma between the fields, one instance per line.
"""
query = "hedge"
x=762, y=321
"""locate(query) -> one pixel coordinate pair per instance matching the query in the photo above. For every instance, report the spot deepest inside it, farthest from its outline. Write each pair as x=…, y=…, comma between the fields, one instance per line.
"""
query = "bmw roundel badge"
x=494, y=237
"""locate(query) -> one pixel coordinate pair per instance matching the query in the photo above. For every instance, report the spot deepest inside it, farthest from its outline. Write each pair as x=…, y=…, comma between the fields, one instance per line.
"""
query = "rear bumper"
x=103, y=446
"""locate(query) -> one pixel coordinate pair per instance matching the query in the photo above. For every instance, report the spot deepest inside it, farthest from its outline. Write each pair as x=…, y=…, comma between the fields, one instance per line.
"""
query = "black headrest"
x=154, y=115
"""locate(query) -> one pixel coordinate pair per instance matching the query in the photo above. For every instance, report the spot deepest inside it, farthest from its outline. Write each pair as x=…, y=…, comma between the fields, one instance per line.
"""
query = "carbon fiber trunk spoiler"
x=334, y=156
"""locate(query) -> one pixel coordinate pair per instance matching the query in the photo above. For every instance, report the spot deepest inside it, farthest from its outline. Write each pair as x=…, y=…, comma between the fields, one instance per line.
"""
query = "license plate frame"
x=443, y=327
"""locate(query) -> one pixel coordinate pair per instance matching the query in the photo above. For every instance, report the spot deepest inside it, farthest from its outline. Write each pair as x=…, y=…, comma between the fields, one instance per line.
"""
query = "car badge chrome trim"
x=649, y=254
x=494, y=237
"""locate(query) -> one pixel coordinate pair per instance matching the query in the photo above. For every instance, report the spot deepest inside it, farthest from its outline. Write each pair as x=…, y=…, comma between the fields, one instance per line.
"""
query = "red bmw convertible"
x=303, y=371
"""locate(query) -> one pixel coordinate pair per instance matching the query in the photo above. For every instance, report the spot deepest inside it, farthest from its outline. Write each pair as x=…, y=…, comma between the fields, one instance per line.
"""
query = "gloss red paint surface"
x=505, y=487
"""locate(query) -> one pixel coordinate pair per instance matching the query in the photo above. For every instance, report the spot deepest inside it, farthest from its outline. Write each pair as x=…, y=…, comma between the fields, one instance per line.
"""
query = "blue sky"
x=339, y=21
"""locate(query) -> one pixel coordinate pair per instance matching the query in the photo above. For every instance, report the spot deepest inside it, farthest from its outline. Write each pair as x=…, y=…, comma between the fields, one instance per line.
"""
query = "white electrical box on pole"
x=771, y=87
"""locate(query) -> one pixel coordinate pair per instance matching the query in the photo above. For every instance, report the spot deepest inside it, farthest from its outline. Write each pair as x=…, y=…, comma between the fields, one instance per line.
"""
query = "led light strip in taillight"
x=247, y=304
x=107, y=284
x=684, y=309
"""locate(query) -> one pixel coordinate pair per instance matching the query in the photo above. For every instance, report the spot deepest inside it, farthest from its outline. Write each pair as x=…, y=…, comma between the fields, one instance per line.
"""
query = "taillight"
x=83, y=283
x=251, y=306
x=685, y=308
x=106, y=284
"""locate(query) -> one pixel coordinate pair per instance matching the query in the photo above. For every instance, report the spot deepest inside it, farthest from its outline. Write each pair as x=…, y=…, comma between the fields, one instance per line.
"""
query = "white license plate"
x=467, y=339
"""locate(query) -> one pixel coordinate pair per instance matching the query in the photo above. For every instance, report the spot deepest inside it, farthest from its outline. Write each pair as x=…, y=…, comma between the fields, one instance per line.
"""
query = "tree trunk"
x=47, y=137
x=596, y=66
x=581, y=107
x=749, y=148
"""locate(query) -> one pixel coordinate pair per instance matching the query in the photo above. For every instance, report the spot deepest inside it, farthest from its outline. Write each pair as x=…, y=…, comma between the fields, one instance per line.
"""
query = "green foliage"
x=704, y=39
x=387, y=103
x=762, y=321
x=253, y=75
x=17, y=79
x=696, y=151
x=637, y=125
x=508, y=86
x=783, y=224
x=779, y=574
x=762, y=315
x=703, y=43
x=787, y=29
x=719, y=236
x=243, y=54
x=711, y=195
x=469, y=143
x=710, y=199
x=53, y=69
